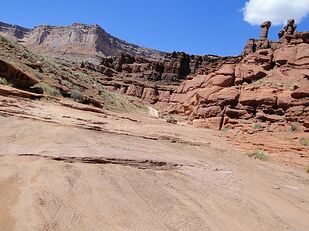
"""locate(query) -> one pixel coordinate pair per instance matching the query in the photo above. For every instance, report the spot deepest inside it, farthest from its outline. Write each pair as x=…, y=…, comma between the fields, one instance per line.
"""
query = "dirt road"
x=67, y=169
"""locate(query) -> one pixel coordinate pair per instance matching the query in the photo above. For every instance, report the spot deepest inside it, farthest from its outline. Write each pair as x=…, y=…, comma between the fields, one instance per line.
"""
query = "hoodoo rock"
x=265, y=28
x=289, y=29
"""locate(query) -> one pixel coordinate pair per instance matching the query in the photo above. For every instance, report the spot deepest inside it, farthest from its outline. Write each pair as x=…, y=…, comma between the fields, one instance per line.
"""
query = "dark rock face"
x=16, y=76
x=13, y=31
x=174, y=68
x=156, y=81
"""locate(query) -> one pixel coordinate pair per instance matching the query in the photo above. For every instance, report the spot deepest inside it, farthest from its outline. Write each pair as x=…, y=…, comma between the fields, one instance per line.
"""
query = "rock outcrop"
x=7, y=90
x=16, y=76
x=155, y=81
x=268, y=83
x=265, y=28
x=267, y=86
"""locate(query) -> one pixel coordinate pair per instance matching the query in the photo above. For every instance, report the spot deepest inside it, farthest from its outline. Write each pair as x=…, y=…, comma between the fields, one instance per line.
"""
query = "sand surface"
x=68, y=169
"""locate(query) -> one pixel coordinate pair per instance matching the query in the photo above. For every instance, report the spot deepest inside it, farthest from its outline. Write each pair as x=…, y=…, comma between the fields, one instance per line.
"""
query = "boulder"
x=285, y=100
x=182, y=98
x=285, y=55
x=225, y=96
x=150, y=95
x=164, y=96
x=256, y=96
x=203, y=94
x=123, y=90
x=272, y=118
x=249, y=73
x=192, y=84
x=227, y=69
x=211, y=123
x=302, y=54
x=222, y=80
x=266, y=97
x=207, y=112
x=134, y=90
x=301, y=92
x=247, y=97
x=237, y=113
x=295, y=111
x=264, y=56
x=110, y=88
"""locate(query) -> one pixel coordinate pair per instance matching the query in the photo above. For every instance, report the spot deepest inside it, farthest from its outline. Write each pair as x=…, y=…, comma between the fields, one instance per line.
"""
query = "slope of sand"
x=67, y=169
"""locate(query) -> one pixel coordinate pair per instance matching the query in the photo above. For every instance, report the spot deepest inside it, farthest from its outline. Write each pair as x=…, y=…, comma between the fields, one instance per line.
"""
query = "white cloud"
x=277, y=11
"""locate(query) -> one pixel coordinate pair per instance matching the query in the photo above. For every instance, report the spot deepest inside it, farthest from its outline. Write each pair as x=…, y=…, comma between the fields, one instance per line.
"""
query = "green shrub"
x=48, y=90
x=258, y=154
x=4, y=39
x=39, y=76
x=257, y=126
x=77, y=96
x=225, y=129
x=294, y=127
x=304, y=141
x=121, y=103
x=3, y=81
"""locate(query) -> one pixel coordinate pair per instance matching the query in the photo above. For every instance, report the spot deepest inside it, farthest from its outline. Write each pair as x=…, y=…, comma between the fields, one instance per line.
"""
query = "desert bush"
x=307, y=169
x=121, y=103
x=3, y=81
x=304, y=141
x=4, y=39
x=48, y=90
x=225, y=129
x=294, y=127
x=77, y=95
x=258, y=154
x=257, y=126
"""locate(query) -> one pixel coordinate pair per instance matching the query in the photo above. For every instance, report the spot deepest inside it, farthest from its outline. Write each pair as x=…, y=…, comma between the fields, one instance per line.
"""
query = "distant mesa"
x=76, y=42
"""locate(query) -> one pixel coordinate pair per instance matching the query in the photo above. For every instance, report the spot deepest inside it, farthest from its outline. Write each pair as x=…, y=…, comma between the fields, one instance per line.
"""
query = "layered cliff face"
x=153, y=81
x=75, y=43
x=267, y=85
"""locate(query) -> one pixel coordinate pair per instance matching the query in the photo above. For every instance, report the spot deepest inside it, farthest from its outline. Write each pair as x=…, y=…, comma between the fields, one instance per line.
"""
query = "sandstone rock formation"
x=289, y=29
x=16, y=76
x=7, y=90
x=155, y=81
x=265, y=28
x=268, y=83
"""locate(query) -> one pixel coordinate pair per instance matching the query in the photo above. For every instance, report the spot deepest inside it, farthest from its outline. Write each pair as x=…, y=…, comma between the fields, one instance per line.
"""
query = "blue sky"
x=195, y=26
